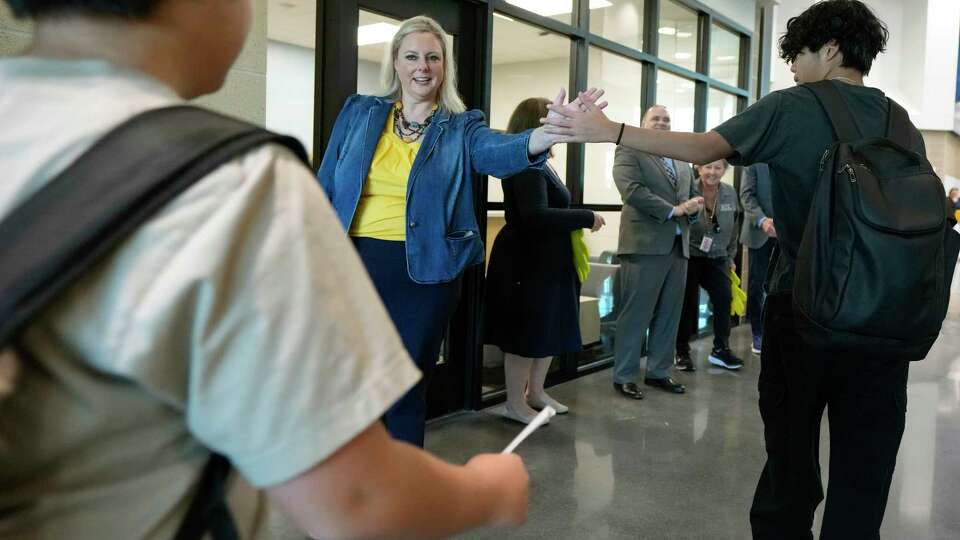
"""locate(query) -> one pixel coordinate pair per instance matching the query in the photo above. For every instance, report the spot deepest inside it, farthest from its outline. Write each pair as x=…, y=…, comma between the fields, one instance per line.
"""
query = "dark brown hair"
x=527, y=115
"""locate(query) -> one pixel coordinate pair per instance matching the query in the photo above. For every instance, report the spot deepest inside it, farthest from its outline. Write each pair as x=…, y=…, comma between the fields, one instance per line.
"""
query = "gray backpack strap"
x=119, y=183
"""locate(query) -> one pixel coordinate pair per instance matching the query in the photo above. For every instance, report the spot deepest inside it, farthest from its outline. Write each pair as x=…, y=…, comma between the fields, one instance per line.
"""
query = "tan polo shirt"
x=239, y=318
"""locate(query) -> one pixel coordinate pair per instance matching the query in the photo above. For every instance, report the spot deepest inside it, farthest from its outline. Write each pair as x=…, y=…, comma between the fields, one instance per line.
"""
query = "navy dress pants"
x=420, y=314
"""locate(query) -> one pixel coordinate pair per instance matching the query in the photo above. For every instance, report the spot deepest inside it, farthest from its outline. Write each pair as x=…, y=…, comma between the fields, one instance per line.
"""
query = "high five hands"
x=543, y=138
x=582, y=120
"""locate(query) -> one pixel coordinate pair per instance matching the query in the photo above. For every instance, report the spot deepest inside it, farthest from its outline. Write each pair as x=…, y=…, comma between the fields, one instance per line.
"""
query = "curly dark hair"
x=859, y=33
x=128, y=9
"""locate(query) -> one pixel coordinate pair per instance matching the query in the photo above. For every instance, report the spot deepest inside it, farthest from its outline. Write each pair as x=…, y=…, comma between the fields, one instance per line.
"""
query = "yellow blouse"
x=381, y=212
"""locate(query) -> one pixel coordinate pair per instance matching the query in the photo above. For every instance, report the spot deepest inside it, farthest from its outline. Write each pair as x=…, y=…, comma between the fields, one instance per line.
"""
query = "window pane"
x=618, y=20
x=291, y=58
x=724, y=55
x=373, y=40
x=621, y=78
x=559, y=10
x=598, y=295
x=678, y=35
x=527, y=62
x=721, y=107
x=679, y=97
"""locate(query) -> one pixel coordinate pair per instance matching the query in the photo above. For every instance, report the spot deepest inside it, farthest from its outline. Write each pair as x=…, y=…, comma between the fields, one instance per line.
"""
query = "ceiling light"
x=550, y=8
x=667, y=31
x=684, y=34
x=682, y=56
x=726, y=58
x=502, y=16
x=370, y=34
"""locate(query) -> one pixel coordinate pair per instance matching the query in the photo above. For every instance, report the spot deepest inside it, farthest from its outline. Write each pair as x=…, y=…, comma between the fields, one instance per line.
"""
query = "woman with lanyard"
x=713, y=245
x=533, y=283
x=398, y=170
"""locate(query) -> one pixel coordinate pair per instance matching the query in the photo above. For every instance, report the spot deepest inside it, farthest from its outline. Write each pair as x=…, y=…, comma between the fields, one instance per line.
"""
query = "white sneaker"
x=540, y=403
x=522, y=417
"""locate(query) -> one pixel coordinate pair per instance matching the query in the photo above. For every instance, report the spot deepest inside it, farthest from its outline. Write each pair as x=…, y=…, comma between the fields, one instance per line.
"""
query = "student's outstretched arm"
x=592, y=125
x=376, y=487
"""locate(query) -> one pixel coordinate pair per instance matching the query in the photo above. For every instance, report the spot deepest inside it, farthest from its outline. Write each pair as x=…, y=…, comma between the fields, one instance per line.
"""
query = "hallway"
x=685, y=467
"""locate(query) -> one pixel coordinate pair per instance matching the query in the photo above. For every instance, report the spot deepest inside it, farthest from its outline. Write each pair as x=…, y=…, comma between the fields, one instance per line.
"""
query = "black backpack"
x=80, y=216
x=874, y=266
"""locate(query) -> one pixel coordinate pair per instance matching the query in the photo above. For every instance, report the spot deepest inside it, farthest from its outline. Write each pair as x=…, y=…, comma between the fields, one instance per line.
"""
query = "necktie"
x=671, y=172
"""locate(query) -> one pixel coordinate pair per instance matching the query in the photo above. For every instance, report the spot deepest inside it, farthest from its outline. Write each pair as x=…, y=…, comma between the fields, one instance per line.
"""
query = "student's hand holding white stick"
x=547, y=413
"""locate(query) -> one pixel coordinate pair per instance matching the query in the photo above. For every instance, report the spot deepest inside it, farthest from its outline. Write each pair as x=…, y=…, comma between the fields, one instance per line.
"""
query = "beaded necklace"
x=407, y=130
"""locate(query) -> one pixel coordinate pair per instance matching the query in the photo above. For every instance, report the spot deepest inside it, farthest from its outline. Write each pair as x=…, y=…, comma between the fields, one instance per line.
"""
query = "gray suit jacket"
x=648, y=197
x=757, y=200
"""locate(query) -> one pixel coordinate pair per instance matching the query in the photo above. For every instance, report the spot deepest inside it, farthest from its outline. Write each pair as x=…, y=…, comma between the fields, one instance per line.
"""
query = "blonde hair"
x=448, y=96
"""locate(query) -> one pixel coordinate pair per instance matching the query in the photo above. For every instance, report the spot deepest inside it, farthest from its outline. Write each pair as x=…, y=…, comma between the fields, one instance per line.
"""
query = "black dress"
x=532, y=290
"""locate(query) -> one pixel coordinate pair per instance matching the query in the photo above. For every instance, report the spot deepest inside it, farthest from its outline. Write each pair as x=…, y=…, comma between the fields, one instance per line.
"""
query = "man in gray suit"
x=760, y=236
x=658, y=206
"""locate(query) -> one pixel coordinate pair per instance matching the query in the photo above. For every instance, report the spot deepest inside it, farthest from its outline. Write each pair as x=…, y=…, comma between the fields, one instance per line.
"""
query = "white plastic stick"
x=547, y=413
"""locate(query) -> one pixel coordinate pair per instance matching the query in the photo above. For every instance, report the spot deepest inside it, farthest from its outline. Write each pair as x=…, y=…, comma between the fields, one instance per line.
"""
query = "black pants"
x=866, y=404
x=713, y=276
x=759, y=264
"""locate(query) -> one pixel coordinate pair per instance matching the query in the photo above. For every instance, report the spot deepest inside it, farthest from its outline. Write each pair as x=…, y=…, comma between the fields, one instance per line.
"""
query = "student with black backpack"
x=175, y=284
x=874, y=247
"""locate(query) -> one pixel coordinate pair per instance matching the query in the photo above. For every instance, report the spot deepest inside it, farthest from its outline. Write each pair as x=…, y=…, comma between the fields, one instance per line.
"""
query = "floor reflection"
x=685, y=467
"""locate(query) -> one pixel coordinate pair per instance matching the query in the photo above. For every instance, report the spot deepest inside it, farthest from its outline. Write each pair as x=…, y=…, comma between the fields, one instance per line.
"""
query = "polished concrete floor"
x=685, y=467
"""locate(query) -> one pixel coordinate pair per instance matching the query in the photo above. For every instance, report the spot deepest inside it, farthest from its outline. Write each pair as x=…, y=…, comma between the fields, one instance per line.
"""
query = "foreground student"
x=239, y=319
x=833, y=40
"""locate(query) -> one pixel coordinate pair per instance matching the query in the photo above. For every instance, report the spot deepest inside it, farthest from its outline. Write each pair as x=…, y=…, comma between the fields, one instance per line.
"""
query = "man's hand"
x=768, y=228
x=688, y=207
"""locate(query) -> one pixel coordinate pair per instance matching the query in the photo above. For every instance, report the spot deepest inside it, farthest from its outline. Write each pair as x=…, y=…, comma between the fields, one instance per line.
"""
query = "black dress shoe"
x=684, y=362
x=667, y=384
x=630, y=390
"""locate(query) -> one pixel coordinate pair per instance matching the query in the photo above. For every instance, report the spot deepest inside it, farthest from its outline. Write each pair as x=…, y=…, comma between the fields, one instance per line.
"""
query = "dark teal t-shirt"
x=789, y=131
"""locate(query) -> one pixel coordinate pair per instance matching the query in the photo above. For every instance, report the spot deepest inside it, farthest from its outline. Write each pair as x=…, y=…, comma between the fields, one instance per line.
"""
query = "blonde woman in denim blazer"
x=417, y=271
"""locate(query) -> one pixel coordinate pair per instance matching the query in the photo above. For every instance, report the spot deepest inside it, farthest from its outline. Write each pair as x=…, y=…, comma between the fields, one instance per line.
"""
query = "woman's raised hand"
x=584, y=122
x=542, y=139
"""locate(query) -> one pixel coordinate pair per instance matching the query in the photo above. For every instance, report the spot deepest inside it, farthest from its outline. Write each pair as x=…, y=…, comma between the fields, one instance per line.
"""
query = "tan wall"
x=245, y=90
x=943, y=151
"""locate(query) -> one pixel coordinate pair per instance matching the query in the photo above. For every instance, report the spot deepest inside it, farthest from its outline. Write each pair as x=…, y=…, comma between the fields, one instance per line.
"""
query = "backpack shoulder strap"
x=114, y=187
x=844, y=126
x=208, y=511
x=898, y=125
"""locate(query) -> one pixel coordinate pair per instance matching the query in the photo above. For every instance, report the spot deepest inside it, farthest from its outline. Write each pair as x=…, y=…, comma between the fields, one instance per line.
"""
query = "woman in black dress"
x=532, y=292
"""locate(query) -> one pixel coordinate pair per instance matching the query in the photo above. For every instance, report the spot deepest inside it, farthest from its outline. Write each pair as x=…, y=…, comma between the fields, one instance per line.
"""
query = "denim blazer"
x=442, y=236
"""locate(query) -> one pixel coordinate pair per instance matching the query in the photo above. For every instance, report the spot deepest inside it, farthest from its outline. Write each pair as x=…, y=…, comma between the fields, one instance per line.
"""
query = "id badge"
x=706, y=244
